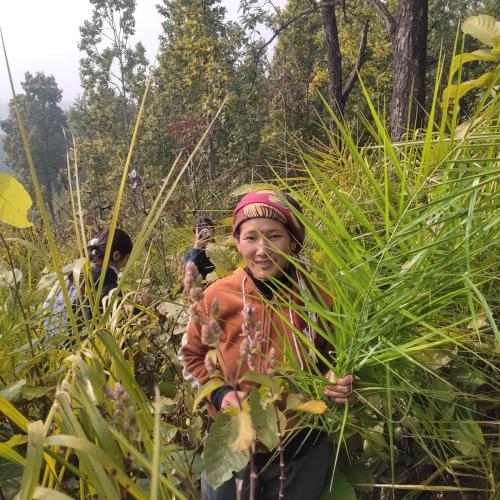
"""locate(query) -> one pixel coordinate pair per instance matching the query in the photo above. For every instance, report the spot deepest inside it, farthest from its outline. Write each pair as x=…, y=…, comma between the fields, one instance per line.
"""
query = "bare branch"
x=353, y=75
x=283, y=26
x=384, y=14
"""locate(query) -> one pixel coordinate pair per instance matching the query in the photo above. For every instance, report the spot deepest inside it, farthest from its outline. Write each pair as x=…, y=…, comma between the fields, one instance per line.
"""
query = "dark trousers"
x=305, y=479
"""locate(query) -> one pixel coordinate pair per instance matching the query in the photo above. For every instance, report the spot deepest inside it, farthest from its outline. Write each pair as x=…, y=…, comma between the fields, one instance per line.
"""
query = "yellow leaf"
x=14, y=202
x=313, y=406
x=246, y=432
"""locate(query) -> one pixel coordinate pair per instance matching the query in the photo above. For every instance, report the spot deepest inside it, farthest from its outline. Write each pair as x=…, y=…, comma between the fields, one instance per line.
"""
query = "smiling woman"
x=268, y=236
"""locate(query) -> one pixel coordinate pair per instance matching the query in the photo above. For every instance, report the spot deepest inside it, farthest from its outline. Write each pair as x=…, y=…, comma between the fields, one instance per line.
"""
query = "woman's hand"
x=233, y=398
x=342, y=389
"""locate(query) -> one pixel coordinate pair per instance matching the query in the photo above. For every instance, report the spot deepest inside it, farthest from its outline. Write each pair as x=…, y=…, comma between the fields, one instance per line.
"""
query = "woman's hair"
x=121, y=244
x=201, y=222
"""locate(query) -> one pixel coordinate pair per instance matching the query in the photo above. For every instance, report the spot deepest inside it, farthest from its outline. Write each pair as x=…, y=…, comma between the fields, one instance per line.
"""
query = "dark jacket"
x=201, y=260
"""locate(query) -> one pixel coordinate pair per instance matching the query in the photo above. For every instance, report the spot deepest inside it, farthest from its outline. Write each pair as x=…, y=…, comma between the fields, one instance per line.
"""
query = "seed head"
x=194, y=314
x=191, y=276
x=244, y=349
x=214, y=307
x=209, y=364
x=211, y=332
x=195, y=294
x=251, y=362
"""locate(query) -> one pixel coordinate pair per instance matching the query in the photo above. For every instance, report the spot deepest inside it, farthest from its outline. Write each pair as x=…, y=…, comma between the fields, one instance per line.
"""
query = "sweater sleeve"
x=192, y=355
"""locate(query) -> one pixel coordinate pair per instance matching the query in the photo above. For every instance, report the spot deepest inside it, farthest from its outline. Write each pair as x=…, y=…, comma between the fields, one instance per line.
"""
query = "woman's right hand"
x=233, y=398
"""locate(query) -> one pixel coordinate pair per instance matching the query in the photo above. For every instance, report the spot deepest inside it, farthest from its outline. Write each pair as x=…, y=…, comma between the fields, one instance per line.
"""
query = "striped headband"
x=269, y=205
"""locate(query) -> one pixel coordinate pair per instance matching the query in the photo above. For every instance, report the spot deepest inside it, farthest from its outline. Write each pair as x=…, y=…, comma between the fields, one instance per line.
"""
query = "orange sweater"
x=233, y=293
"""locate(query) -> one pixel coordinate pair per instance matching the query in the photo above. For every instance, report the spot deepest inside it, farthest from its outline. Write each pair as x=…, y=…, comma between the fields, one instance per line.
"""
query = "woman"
x=266, y=232
x=57, y=322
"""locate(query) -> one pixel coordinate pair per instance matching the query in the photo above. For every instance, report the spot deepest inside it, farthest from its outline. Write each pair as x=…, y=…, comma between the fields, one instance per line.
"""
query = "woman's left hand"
x=342, y=390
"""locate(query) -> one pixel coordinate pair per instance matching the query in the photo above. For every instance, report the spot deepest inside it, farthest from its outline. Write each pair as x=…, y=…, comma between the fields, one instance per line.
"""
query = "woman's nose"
x=261, y=247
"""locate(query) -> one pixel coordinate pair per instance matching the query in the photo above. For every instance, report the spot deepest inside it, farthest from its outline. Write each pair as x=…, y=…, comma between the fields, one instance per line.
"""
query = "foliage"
x=110, y=64
x=405, y=246
x=402, y=237
x=486, y=30
x=45, y=122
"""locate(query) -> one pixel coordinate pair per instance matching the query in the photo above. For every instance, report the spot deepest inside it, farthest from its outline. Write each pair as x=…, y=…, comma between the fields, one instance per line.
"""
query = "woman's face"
x=263, y=244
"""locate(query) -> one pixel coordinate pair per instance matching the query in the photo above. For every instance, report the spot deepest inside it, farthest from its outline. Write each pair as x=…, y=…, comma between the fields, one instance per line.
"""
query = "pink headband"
x=269, y=205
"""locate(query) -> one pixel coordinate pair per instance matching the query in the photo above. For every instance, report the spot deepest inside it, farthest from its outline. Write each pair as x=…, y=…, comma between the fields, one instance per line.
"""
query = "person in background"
x=203, y=235
x=56, y=320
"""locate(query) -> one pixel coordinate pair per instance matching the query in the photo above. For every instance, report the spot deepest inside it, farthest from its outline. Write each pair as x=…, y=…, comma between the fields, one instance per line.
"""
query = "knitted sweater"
x=233, y=293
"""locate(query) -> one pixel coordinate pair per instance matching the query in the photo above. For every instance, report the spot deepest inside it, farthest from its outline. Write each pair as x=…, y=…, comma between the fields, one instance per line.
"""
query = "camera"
x=205, y=233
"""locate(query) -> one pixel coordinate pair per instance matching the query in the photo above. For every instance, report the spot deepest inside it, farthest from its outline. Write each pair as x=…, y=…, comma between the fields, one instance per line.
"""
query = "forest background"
x=224, y=117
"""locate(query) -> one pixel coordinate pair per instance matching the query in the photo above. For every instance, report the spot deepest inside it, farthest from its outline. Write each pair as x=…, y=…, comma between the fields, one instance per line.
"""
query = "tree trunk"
x=50, y=200
x=334, y=59
x=409, y=46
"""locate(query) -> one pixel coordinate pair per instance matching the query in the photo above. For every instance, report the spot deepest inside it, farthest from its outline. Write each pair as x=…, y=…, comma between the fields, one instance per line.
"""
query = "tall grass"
x=404, y=238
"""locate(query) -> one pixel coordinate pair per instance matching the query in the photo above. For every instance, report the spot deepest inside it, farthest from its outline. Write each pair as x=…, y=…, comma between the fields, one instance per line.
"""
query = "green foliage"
x=486, y=30
x=221, y=461
x=44, y=121
x=403, y=239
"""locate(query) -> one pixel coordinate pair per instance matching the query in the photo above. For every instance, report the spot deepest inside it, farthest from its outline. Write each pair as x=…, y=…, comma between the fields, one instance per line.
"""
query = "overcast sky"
x=42, y=35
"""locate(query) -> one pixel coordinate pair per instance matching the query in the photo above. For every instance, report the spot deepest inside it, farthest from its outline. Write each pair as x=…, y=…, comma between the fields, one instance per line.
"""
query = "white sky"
x=42, y=35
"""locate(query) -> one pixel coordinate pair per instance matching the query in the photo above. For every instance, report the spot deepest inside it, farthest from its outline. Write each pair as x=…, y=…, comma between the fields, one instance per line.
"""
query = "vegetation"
x=402, y=235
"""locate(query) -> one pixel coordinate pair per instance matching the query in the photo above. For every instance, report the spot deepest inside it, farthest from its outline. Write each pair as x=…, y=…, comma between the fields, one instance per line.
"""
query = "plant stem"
x=18, y=296
x=253, y=477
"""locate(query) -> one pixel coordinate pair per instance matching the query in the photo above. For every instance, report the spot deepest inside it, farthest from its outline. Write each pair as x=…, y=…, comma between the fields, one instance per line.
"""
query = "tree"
x=407, y=30
x=113, y=74
x=339, y=88
x=202, y=62
x=44, y=121
x=111, y=64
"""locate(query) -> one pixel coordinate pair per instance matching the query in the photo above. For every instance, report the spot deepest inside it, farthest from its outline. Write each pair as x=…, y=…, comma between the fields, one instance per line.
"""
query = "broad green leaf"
x=458, y=91
x=13, y=392
x=223, y=257
x=30, y=393
x=250, y=188
x=467, y=437
x=206, y=389
x=468, y=377
x=245, y=436
x=477, y=55
x=483, y=27
x=14, y=202
x=339, y=488
x=261, y=379
x=220, y=460
x=10, y=477
x=264, y=421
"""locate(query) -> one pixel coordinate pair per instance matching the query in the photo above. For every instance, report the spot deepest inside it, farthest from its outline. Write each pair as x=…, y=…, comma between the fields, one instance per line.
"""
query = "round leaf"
x=14, y=202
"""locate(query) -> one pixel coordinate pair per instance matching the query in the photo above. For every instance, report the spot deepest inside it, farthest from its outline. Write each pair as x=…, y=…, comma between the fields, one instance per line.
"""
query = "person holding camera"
x=203, y=235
